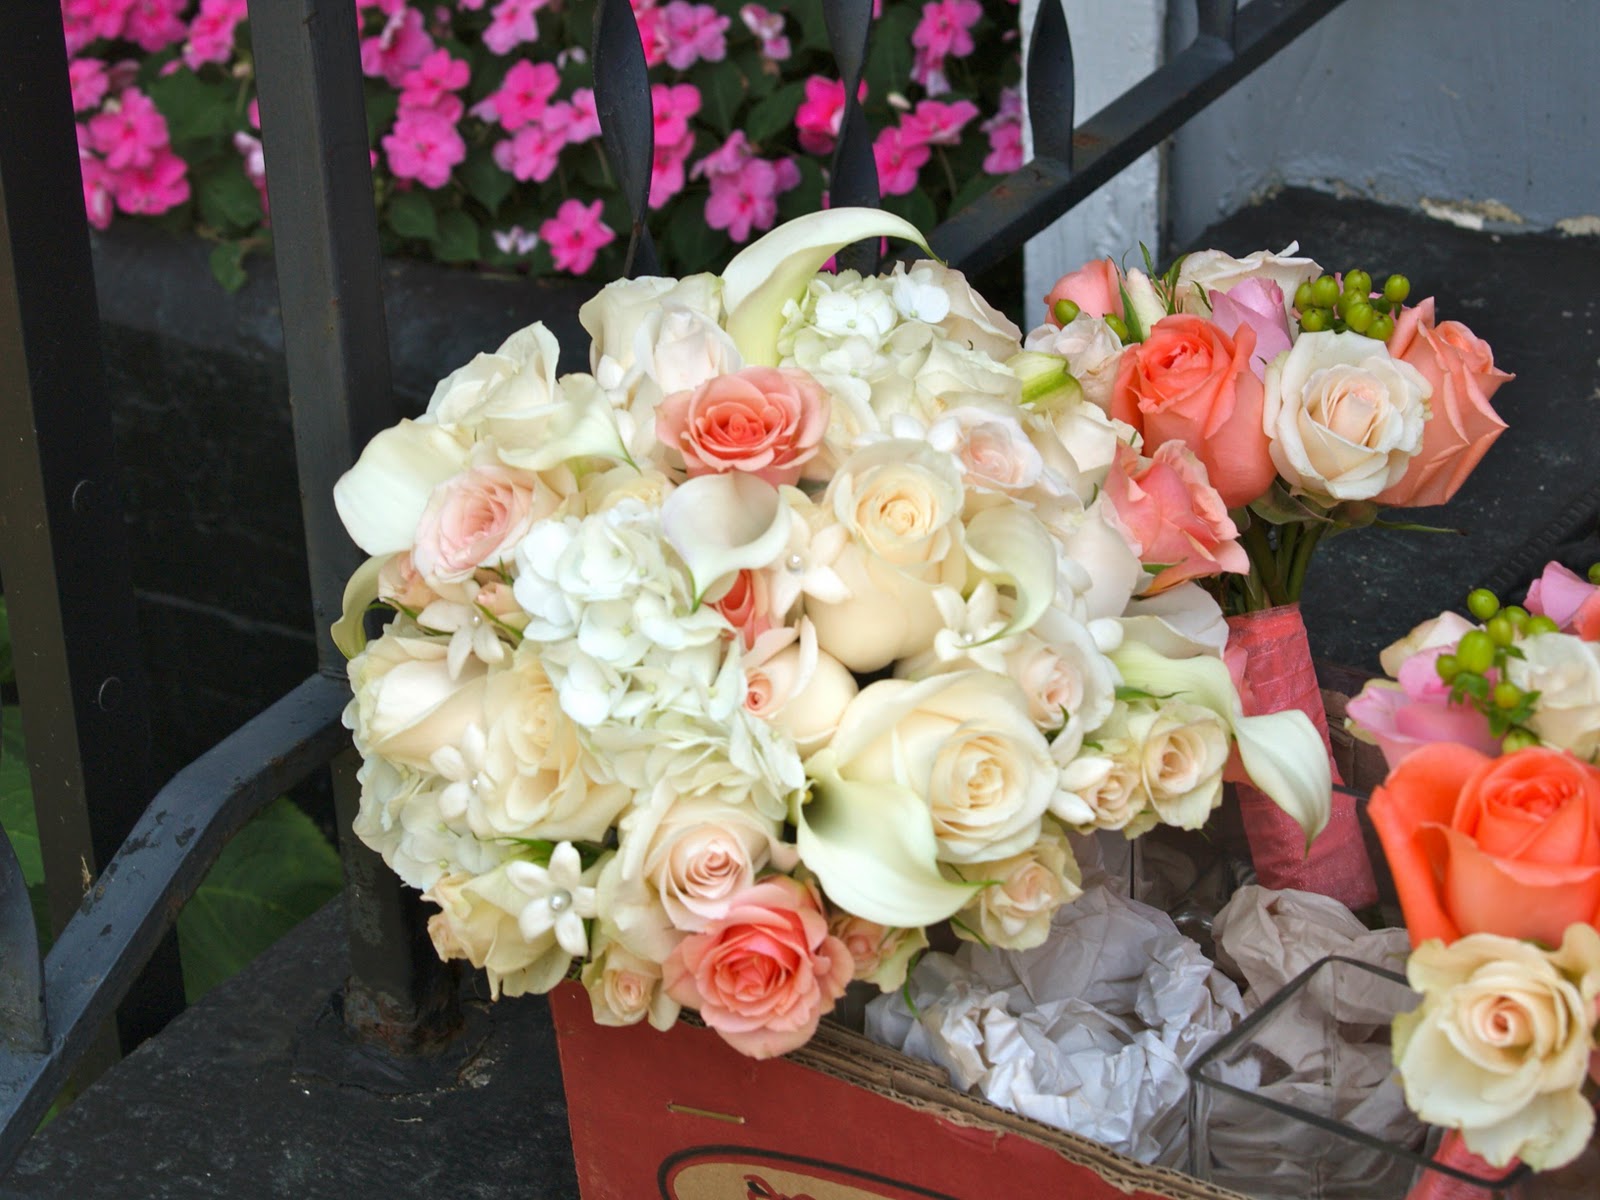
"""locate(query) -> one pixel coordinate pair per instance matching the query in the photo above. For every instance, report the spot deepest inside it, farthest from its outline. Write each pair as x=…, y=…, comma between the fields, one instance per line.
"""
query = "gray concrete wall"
x=1475, y=110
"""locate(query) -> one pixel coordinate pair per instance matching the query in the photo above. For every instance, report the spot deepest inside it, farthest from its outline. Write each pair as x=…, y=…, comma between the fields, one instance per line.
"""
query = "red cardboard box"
x=682, y=1116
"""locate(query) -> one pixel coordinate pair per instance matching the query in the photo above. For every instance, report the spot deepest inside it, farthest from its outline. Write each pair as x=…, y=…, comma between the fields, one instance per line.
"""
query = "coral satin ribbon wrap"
x=1280, y=676
x=1453, y=1152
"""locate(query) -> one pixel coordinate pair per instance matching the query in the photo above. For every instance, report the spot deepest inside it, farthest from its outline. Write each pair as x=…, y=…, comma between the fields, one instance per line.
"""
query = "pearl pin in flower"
x=558, y=899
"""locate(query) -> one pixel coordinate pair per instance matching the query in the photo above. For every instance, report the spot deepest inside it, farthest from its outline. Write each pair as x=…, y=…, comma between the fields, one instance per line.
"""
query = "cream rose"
x=1565, y=671
x=1103, y=786
x=1182, y=750
x=798, y=688
x=407, y=704
x=615, y=316
x=1070, y=685
x=963, y=742
x=1092, y=352
x=882, y=956
x=625, y=988
x=476, y=927
x=1207, y=271
x=1014, y=911
x=1342, y=416
x=1500, y=1046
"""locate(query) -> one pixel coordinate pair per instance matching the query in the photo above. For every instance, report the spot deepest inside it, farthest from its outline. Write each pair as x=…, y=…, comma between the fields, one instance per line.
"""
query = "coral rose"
x=1508, y=845
x=1459, y=366
x=763, y=421
x=1095, y=288
x=1189, y=382
x=1170, y=511
x=764, y=974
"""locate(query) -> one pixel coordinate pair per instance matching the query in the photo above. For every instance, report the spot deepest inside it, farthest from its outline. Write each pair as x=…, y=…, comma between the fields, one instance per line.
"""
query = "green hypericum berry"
x=1447, y=666
x=1475, y=653
x=1482, y=603
x=1066, y=311
x=1325, y=292
x=1315, y=320
x=1507, y=695
x=1303, y=298
x=1348, y=300
x=1540, y=624
x=1517, y=615
x=1501, y=631
x=1360, y=317
x=1117, y=326
x=1396, y=288
x=1358, y=282
x=1594, y=573
x=1518, y=739
x=1381, y=329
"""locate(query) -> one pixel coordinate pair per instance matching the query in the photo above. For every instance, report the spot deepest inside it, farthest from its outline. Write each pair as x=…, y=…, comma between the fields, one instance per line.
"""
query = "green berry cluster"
x=1476, y=672
x=1323, y=304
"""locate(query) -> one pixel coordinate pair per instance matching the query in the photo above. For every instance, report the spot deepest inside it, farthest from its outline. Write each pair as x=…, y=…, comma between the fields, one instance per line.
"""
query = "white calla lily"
x=720, y=524
x=574, y=421
x=776, y=268
x=873, y=850
x=1010, y=546
x=381, y=498
x=349, y=631
x=1282, y=752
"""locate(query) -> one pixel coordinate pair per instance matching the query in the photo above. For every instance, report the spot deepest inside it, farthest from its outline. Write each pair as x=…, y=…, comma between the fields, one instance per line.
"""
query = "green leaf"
x=458, y=237
x=411, y=215
x=1278, y=507
x=774, y=114
x=382, y=105
x=485, y=181
x=277, y=871
x=17, y=817
x=227, y=264
x=916, y=207
x=693, y=244
x=889, y=59
x=7, y=672
x=228, y=200
x=195, y=110
x=721, y=93
x=813, y=29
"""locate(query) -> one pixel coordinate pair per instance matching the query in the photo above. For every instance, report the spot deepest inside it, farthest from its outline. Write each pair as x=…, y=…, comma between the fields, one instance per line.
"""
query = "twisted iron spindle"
x=1052, y=78
x=853, y=178
x=627, y=127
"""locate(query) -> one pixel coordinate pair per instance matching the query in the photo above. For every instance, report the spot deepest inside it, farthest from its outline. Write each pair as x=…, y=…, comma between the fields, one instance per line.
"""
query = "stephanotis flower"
x=559, y=900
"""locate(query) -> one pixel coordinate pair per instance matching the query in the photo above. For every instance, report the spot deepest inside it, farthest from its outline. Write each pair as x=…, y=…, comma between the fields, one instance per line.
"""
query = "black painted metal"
x=1218, y=19
x=853, y=180
x=1051, y=79
x=68, y=584
x=313, y=124
x=22, y=1023
x=138, y=895
x=622, y=100
x=1029, y=199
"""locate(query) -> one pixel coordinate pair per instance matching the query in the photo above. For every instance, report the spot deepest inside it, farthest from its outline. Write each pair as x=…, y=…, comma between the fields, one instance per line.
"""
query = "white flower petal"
x=349, y=631
x=1009, y=545
x=381, y=498
x=720, y=524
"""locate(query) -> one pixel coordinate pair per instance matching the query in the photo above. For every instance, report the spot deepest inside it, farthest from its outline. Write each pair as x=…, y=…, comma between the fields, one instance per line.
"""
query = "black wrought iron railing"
x=122, y=858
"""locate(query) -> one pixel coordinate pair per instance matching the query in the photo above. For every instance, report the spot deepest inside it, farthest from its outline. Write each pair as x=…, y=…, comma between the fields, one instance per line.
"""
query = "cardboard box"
x=682, y=1116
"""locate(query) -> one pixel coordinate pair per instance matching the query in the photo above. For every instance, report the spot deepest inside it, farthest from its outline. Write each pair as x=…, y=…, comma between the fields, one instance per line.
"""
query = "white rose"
x=798, y=688
x=992, y=448
x=521, y=373
x=607, y=489
x=1213, y=271
x=1343, y=416
x=1103, y=787
x=614, y=316
x=1070, y=685
x=1092, y=351
x=473, y=925
x=963, y=742
x=1092, y=542
x=1500, y=1046
x=881, y=955
x=407, y=704
x=625, y=988
x=1182, y=750
x=1565, y=671
x=1014, y=911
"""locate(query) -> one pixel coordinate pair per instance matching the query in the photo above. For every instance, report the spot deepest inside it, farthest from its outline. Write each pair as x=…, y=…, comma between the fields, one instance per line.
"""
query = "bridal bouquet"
x=1490, y=819
x=718, y=673
x=1311, y=399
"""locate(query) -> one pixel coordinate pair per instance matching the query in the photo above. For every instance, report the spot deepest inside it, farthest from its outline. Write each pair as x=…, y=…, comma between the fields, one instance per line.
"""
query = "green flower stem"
x=1264, y=584
x=1301, y=562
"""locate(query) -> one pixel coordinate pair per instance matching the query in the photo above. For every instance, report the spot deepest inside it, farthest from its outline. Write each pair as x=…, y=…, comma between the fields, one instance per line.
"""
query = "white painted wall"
x=1115, y=44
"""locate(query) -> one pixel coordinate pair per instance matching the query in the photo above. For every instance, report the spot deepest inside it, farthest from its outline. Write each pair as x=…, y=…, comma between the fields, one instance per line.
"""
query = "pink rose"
x=1461, y=427
x=1257, y=303
x=746, y=606
x=764, y=974
x=1170, y=512
x=1416, y=711
x=475, y=519
x=765, y=421
x=1095, y=288
x=1570, y=601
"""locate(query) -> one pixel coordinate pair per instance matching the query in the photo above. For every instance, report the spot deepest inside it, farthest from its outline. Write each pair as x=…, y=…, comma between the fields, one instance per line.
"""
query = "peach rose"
x=1568, y=599
x=746, y=605
x=1170, y=511
x=1189, y=382
x=475, y=519
x=882, y=955
x=1460, y=368
x=1508, y=845
x=1095, y=287
x=764, y=974
x=765, y=421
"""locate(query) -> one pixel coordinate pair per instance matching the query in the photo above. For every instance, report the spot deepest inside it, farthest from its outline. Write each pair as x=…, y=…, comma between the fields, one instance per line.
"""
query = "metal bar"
x=622, y=101
x=69, y=588
x=325, y=241
x=22, y=1024
x=853, y=178
x=1030, y=198
x=1218, y=19
x=138, y=895
x=1052, y=80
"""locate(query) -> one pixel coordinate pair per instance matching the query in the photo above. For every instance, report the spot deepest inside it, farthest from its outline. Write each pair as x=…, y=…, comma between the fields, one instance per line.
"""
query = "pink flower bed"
x=485, y=140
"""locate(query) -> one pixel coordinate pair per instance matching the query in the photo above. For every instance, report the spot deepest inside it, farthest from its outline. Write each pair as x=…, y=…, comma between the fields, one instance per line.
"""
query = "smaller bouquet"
x=1490, y=820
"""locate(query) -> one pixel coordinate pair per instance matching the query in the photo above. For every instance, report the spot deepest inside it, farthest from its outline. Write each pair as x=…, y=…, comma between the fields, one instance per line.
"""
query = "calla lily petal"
x=720, y=524
x=1282, y=752
x=1011, y=546
x=381, y=498
x=873, y=850
x=576, y=422
x=350, y=630
x=776, y=268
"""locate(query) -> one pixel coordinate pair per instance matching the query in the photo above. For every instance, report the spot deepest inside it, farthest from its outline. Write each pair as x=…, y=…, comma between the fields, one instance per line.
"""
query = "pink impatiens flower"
x=671, y=106
x=938, y=124
x=768, y=29
x=211, y=32
x=944, y=30
x=532, y=152
x=820, y=114
x=155, y=24
x=154, y=187
x=97, y=18
x=97, y=198
x=511, y=24
x=425, y=147
x=87, y=77
x=575, y=235
x=1005, y=134
x=431, y=83
x=693, y=33
x=524, y=94
x=129, y=132
x=400, y=47
x=744, y=189
x=577, y=116
x=900, y=158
